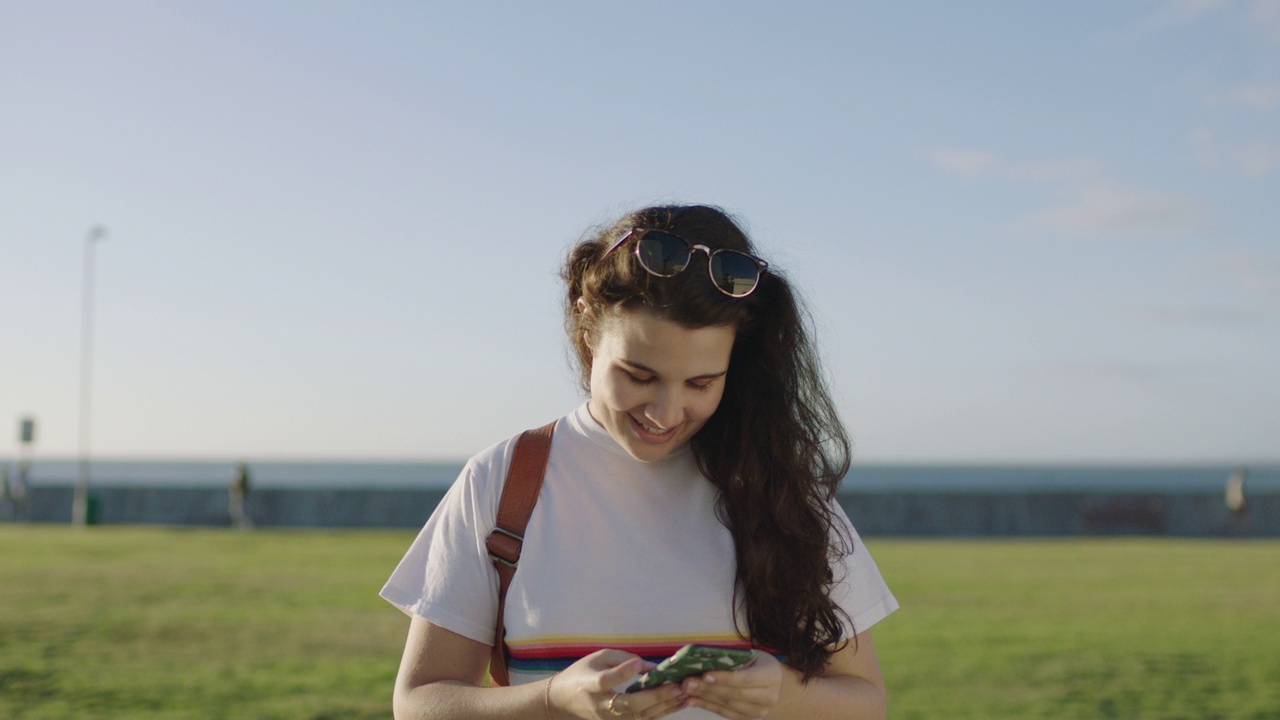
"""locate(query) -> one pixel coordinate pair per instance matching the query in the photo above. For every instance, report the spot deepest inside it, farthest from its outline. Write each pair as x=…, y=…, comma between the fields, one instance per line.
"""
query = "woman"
x=691, y=499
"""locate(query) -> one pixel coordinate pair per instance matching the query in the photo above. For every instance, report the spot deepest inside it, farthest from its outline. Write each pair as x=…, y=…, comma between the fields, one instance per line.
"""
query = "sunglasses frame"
x=639, y=233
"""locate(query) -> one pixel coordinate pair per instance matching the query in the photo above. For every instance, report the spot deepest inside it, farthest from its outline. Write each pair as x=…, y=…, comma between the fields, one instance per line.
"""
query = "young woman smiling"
x=690, y=499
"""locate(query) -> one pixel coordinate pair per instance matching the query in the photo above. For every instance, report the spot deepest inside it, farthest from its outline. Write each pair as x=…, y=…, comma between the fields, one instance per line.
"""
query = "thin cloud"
x=1195, y=9
x=1266, y=17
x=1091, y=203
x=1257, y=273
x=1076, y=170
x=1116, y=209
x=1187, y=11
x=1222, y=288
x=1257, y=159
x=966, y=162
x=1260, y=17
x=973, y=163
x=1198, y=316
x=1204, y=148
x=1259, y=97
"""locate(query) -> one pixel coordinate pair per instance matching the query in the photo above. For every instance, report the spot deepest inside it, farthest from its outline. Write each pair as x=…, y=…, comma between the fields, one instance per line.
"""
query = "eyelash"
x=645, y=381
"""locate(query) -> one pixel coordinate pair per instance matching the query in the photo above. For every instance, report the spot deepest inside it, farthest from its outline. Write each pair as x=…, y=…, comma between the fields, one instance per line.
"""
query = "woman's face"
x=654, y=383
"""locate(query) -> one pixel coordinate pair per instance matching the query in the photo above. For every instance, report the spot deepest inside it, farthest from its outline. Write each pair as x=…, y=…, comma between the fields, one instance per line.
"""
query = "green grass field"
x=120, y=622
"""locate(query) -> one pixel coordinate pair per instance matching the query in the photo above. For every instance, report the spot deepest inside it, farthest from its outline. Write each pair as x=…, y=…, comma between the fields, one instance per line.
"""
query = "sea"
x=870, y=477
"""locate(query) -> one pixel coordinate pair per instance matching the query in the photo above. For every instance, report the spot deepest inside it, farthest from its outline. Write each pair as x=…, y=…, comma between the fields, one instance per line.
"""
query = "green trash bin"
x=93, y=510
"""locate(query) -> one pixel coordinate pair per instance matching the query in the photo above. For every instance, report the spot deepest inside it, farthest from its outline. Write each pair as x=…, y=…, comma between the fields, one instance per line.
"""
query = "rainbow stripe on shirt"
x=553, y=654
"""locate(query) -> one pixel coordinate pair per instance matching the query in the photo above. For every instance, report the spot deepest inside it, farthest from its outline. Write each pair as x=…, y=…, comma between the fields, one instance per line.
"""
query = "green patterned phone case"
x=692, y=660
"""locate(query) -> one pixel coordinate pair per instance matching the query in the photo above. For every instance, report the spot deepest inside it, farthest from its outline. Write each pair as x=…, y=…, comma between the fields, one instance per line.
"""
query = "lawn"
x=1117, y=628
x=126, y=622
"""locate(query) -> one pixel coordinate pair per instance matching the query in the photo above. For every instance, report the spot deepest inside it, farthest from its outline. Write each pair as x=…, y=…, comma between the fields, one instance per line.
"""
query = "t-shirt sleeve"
x=860, y=589
x=446, y=577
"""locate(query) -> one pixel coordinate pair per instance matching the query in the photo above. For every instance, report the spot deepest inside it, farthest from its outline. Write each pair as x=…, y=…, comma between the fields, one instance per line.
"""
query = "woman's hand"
x=585, y=690
x=743, y=694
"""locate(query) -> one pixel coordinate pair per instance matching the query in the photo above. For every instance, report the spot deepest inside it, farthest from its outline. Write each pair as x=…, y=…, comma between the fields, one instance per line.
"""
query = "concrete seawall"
x=916, y=514
x=1058, y=514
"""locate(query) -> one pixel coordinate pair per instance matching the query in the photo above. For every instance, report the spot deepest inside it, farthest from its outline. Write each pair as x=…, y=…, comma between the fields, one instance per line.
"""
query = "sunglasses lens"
x=735, y=273
x=663, y=253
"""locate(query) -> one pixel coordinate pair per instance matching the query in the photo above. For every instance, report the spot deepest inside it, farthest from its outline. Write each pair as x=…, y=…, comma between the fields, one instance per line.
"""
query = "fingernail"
x=709, y=679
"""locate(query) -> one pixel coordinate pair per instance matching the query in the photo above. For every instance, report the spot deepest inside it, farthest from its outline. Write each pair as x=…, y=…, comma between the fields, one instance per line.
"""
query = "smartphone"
x=693, y=660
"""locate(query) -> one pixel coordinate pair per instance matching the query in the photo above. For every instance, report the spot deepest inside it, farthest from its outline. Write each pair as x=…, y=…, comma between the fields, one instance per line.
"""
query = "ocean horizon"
x=862, y=477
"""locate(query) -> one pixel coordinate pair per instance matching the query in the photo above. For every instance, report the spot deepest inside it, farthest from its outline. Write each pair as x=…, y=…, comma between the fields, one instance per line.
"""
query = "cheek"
x=612, y=391
x=599, y=379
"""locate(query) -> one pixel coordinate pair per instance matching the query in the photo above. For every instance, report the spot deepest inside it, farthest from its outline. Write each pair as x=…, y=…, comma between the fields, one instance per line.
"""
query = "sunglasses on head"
x=666, y=254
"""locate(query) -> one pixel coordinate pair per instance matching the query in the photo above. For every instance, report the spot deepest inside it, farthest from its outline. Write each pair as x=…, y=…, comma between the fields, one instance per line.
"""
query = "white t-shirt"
x=618, y=554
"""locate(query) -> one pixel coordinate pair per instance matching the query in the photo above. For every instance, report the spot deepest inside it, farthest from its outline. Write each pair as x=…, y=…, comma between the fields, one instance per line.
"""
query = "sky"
x=1025, y=232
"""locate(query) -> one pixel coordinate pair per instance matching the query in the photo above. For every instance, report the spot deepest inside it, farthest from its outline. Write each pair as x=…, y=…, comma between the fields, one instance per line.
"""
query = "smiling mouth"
x=648, y=433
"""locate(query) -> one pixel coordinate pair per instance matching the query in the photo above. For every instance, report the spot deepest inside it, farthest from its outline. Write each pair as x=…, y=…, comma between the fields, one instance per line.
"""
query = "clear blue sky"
x=1026, y=231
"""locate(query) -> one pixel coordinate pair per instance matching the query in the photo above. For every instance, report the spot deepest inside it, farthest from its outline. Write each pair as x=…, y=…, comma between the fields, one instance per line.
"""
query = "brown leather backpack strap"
x=519, y=494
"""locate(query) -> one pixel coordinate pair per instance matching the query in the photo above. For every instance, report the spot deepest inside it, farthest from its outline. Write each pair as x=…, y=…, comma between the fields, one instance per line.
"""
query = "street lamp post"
x=80, y=501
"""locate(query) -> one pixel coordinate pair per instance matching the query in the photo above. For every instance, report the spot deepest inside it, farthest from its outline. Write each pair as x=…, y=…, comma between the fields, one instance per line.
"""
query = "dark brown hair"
x=775, y=448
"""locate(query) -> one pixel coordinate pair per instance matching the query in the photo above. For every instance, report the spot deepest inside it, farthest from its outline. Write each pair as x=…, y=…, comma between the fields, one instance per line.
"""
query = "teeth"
x=649, y=429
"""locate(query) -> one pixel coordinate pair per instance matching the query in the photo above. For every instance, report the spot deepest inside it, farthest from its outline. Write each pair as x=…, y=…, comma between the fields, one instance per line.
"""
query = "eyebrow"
x=651, y=371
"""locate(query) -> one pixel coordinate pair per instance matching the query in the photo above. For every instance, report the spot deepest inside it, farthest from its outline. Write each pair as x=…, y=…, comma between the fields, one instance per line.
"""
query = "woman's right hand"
x=585, y=689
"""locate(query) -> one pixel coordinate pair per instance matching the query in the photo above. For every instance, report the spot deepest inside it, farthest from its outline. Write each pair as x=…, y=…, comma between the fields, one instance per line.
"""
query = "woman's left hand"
x=743, y=694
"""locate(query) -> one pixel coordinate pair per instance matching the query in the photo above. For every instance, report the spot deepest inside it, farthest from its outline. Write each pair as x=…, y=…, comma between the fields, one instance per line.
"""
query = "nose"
x=665, y=409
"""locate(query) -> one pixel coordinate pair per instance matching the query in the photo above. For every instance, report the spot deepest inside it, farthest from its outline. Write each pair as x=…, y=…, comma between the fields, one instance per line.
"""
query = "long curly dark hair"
x=775, y=448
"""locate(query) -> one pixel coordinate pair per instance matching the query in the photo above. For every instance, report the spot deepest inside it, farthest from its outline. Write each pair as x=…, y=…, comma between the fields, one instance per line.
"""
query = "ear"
x=585, y=310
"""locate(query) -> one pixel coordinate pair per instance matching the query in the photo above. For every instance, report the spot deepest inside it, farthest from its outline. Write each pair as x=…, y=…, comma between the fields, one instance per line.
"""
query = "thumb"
x=613, y=676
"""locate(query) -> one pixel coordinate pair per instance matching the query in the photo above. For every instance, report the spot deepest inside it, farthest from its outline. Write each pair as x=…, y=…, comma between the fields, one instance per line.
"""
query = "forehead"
x=664, y=346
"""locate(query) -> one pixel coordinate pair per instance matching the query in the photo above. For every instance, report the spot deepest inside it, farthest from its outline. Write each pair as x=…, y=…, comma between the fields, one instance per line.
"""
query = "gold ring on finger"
x=613, y=710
